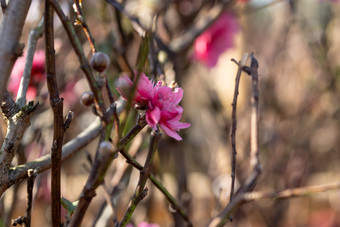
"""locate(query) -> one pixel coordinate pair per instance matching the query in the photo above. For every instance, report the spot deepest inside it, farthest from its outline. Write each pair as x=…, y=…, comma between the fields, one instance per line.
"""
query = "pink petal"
x=153, y=117
x=170, y=132
x=178, y=95
x=177, y=125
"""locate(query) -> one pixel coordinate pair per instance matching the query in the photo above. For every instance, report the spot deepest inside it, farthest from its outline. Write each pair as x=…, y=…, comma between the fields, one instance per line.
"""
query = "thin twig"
x=34, y=35
x=141, y=191
x=117, y=183
x=134, y=20
x=30, y=183
x=290, y=193
x=26, y=220
x=250, y=182
x=108, y=90
x=174, y=204
x=81, y=20
x=254, y=125
x=109, y=200
x=234, y=124
x=98, y=171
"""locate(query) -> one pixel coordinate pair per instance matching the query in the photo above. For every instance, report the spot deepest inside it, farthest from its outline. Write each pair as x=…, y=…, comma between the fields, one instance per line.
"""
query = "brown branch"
x=11, y=26
x=234, y=123
x=26, y=220
x=250, y=182
x=141, y=190
x=30, y=183
x=57, y=107
x=174, y=204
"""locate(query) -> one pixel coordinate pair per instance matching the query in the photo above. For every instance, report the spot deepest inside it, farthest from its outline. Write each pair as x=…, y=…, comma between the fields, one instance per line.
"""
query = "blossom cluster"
x=160, y=101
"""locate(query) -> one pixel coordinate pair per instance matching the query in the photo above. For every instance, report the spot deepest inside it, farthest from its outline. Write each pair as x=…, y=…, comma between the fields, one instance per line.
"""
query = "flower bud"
x=106, y=147
x=87, y=98
x=100, y=61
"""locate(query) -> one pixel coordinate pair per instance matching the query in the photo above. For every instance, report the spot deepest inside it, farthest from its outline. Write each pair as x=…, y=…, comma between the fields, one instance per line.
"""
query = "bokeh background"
x=297, y=46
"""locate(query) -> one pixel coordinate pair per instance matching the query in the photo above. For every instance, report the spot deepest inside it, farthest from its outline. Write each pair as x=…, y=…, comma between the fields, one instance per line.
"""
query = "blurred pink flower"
x=161, y=103
x=143, y=224
x=216, y=40
x=37, y=75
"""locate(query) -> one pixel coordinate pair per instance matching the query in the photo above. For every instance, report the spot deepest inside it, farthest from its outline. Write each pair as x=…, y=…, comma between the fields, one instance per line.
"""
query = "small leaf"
x=68, y=205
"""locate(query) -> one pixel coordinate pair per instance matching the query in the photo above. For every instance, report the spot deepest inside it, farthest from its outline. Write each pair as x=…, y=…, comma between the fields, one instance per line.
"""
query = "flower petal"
x=153, y=117
x=170, y=132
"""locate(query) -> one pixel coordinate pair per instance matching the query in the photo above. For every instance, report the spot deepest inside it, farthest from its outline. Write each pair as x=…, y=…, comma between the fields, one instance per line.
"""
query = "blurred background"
x=297, y=46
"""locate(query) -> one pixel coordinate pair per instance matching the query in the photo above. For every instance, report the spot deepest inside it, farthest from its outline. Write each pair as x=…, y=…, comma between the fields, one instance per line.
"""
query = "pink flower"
x=37, y=75
x=216, y=40
x=161, y=103
x=143, y=224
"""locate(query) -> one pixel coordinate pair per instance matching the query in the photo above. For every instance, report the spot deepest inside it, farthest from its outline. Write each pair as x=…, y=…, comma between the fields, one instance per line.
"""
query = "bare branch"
x=234, y=124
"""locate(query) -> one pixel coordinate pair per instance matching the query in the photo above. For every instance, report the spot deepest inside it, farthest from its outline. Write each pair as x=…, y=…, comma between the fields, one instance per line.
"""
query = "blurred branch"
x=141, y=190
x=101, y=164
x=34, y=35
x=11, y=26
x=174, y=204
x=254, y=124
x=3, y=6
x=290, y=193
x=81, y=20
x=234, y=124
x=85, y=66
x=250, y=182
x=117, y=183
x=182, y=42
x=140, y=29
